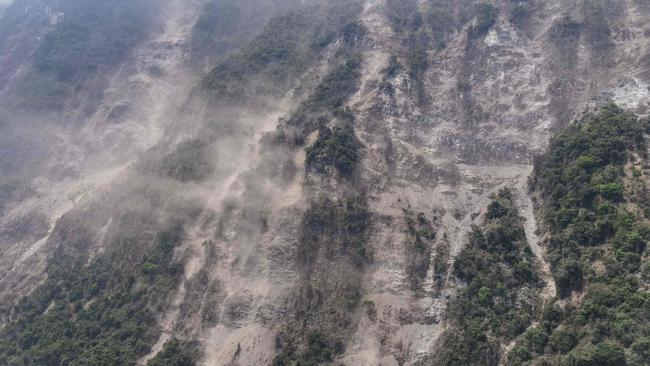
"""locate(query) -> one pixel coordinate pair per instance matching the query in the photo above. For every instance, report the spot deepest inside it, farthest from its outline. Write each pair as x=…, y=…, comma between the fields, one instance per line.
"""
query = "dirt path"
x=525, y=207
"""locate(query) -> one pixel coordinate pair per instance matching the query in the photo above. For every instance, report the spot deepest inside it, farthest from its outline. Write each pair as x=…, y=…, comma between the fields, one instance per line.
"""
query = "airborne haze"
x=324, y=182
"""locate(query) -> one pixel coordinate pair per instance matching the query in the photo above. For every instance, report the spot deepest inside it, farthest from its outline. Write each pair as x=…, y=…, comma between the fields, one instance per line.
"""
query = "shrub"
x=602, y=354
x=327, y=101
x=319, y=348
x=335, y=88
x=537, y=339
x=337, y=148
x=371, y=310
x=188, y=162
x=176, y=353
x=568, y=276
x=642, y=347
x=611, y=191
x=562, y=340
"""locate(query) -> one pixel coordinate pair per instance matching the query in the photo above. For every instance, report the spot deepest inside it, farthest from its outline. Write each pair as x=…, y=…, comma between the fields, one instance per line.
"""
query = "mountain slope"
x=323, y=182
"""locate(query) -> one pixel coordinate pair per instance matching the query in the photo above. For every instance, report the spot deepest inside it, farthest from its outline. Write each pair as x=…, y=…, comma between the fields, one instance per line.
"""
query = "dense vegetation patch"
x=95, y=314
x=337, y=148
x=226, y=25
x=409, y=23
x=188, y=162
x=335, y=89
x=597, y=246
x=421, y=234
x=287, y=45
x=176, y=353
x=500, y=298
x=90, y=37
x=581, y=178
x=327, y=102
x=332, y=253
x=335, y=229
x=191, y=160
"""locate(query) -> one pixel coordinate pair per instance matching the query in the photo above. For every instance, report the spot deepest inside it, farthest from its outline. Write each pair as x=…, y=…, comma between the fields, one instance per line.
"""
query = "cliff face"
x=287, y=182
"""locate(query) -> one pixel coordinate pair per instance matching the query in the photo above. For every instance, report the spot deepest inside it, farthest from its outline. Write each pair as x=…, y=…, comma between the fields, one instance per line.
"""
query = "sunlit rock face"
x=320, y=163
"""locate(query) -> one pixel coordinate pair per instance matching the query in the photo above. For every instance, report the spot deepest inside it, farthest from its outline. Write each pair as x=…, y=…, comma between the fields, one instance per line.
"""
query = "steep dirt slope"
x=84, y=160
x=326, y=178
x=494, y=101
